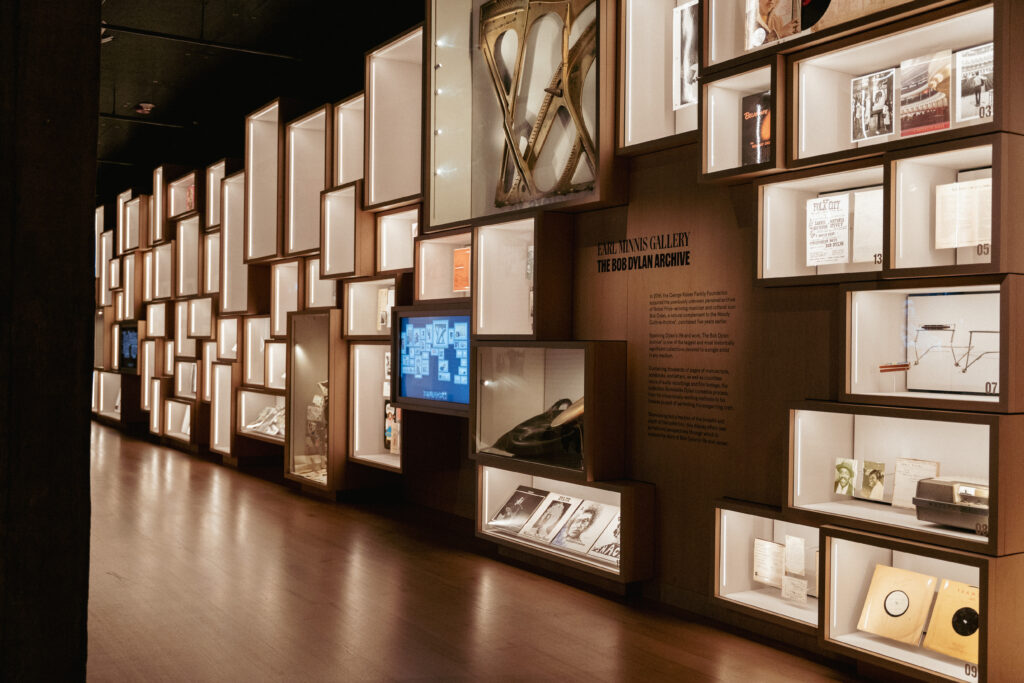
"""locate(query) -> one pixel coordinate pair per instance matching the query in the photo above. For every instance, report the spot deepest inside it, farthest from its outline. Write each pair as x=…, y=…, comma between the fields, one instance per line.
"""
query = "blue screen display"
x=434, y=364
x=129, y=346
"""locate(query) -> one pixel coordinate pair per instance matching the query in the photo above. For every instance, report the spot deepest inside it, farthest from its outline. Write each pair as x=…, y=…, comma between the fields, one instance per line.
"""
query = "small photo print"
x=925, y=93
x=872, y=103
x=872, y=481
x=845, y=476
x=974, y=83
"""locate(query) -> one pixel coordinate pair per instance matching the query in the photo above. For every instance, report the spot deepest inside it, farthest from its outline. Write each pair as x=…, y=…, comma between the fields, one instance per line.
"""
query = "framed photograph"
x=685, y=65
x=608, y=545
x=845, y=476
x=872, y=104
x=974, y=83
x=871, y=484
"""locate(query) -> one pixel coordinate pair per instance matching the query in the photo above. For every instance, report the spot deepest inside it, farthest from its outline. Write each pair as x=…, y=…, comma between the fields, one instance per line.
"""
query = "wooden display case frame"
x=328, y=161
x=999, y=656
x=552, y=281
x=300, y=293
x=637, y=510
x=214, y=174
x=198, y=198
x=257, y=276
x=351, y=402
x=1006, y=439
x=777, y=113
x=604, y=384
x=1008, y=23
x=378, y=267
x=336, y=175
x=162, y=174
x=1011, y=375
x=364, y=233
x=310, y=284
x=236, y=383
x=403, y=297
x=418, y=265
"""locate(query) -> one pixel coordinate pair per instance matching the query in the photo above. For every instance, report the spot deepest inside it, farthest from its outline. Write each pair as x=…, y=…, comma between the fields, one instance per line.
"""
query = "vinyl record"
x=811, y=11
x=955, y=622
x=897, y=604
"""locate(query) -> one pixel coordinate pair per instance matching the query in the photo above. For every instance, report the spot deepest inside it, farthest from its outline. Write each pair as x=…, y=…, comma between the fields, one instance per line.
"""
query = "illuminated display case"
x=211, y=263
x=184, y=195
x=243, y=288
x=371, y=439
x=396, y=231
x=308, y=150
x=285, y=294
x=320, y=293
x=349, y=121
x=347, y=243
x=227, y=338
x=202, y=318
x=368, y=303
x=275, y=369
x=224, y=377
x=261, y=414
x=184, y=346
x=444, y=264
x=256, y=334
x=188, y=249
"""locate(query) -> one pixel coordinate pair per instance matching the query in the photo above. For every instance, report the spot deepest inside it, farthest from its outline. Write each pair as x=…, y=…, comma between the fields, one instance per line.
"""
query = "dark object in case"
x=757, y=128
x=953, y=502
x=535, y=439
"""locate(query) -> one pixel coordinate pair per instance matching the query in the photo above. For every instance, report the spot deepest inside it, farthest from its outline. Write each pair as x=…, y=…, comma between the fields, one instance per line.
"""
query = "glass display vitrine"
x=261, y=415
x=396, y=231
x=348, y=238
x=349, y=120
x=182, y=195
x=320, y=293
x=374, y=423
x=275, y=370
x=202, y=319
x=184, y=345
x=444, y=264
x=177, y=420
x=188, y=247
x=263, y=179
x=308, y=167
x=285, y=295
x=742, y=117
x=257, y=332
x=227, y=338
x=211, y=263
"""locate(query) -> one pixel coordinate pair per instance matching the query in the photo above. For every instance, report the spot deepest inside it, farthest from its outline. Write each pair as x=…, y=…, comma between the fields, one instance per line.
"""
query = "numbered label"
x=981, y=529
x=991, y=388
x=971, y=670
x=985, y=111
x=983, y=249
x=878, y=259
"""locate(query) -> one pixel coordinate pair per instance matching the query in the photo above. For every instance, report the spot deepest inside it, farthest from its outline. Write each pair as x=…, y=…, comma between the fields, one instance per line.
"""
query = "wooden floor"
x=202, y=573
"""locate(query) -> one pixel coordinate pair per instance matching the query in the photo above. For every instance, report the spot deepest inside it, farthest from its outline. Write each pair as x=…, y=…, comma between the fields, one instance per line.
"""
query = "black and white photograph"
x=872, y=482
x=608, y=545
x=583, y=528
x=872, y=103
x=685, y=19
x=517, y=509
x=974, y=83
x=550, y=517
x=845, y=475
x=925, y=93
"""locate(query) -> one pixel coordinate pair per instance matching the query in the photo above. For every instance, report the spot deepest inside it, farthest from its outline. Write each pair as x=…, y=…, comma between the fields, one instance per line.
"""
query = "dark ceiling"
x=205, y=64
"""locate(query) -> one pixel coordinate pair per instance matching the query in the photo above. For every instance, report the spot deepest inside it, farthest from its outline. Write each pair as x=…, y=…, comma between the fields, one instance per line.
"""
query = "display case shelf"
x=603, y=528
x=542, y=384
x=765, y=566
x=743, y=121
x=371, y=442
x=308, y=147
x=348, y=239
x=286, y=294
x=444, y=264
x=819, y=227
x=349, y=121
x=934, y=343
x=394, y=115
x=969, y=450
x=396, y=232
x=202, y=318
x=521, y=287
x=243, y=288
x=320, y=292
x=261, y=415
x=227, y=338
x=368, y=303
x=211, y=263
x=256, y=333
x=658, y=69
x=864, y=573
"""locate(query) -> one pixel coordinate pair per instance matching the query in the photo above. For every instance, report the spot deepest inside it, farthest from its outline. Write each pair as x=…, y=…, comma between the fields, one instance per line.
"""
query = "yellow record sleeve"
x=953, y=628
x=897, y=604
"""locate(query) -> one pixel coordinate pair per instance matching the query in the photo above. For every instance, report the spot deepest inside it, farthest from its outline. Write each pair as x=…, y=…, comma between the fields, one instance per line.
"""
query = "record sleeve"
x=608, y=545
x=953, y=628
x=780, y=21
x=460, y=269
x=872, y=105
x=897, y=604
x=975, y=95
x=925, y=93
x=585, y=525
x=757, y=128
x=517, y=509
x=550, y=517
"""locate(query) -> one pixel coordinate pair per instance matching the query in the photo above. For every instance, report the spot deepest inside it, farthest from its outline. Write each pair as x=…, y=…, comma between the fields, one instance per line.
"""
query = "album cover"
x=871, y=484
x=389, y=423
x=845, y=476
x=549, y=518
x=685, y=20
x=585, y=525
x=608, y=545
x=953, y=628
x=517, y=509
x=925, y=93
x=460, y=269
x=963, y=213
x=975, y=77
x=828, y=229
x=897, y=604
x=811, y=12
x=873, y=105
x=756, y=128
x=769, y=21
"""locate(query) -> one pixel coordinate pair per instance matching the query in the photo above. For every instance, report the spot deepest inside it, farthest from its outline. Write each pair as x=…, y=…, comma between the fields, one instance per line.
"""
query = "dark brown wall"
x=49, y=66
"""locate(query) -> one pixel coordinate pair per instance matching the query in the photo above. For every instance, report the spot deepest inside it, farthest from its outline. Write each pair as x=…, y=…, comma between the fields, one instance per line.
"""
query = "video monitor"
x=128, y=347
x=433, y=358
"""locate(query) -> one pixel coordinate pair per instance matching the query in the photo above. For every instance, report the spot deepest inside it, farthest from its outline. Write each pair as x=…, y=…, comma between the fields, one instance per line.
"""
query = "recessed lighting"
x=144, y=108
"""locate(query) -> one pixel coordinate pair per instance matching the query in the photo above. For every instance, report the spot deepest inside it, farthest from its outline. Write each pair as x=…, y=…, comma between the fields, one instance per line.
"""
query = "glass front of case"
x=943, y=208
x=339, y=247
x=395, y=92
x=214, y=174
x=261, y=414
x=319, y=293
x=660, y=82
x=227, y=338
x=738, y=121
x=768, y=565
x=570, y=521
x=374, y=421
x=220, y=409
x=156, y=320
x=530, y=404
x=200, y=318
x=867, y=467
x=130, y=281
x=348, y=140
x=147, y=275
x=368, y=306
x=122, y=220
x=133, y=223
x=928, y=343
x=880, y=600
x=169, y=358
x=257, y=332
x=261, y=182
x=275, y=374
x=504, y=276
x=178, y=420
x=107, y=249
x=308, y=392
x=395, y=235
x=163, y=271
x=306, y=177
x=822, y=225
x=285, y=295
x=211, y=263
x=234, y=294
x=935, y=77
x=444, y=267
x=186, y=379
x=147, y=369
x=188, y=257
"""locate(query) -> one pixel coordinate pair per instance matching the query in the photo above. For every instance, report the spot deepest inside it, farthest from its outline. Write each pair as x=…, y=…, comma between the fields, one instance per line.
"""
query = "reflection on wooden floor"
x=201, y=573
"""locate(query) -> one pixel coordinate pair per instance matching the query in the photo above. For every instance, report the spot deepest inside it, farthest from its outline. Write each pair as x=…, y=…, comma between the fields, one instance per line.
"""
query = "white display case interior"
x=178, y=420
x=261, y=415
x=221, y=398
x=115, y=356
x=570, y=521
x=395, y=235
x=107, y=251
x=114, y=266
x=201, y=321
x=823, y=225
x=163, y=271
x=349, y=121
x=319, y=293
x=306, y=178
x=119, y=307
x=187, y=245
x=257, y=332
x=130, y=238
x=169, y=358
x=943, y=208
x=156, y=407
x=368, y=306
x=768, y=565
x=275, y=355
x=157, y=220
x=852, y=566
x=186, y=379
x=209, y=356
x=128, y=279
x=660, y=84
x=214, y=174
x=370, y=391
x=503, y=273
x=884, y=77
x=284, y=295
x=443, y=267
x=934, y=342
x=899, y=450
x=309, y=411
x=147, y=275
x=110, y=395
x=395, y=91
x=122, y=219
x=95, y=391
x=211, y=263
x=724, y=110
x=227, y=338
x=184, y=346
x=147, y=370
x=98, y=242
x=234, y=293
x=181, y=195
x=517, y=383
x=261, y=182
x=98, y=330
x=339, y=248
x=156, y=320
